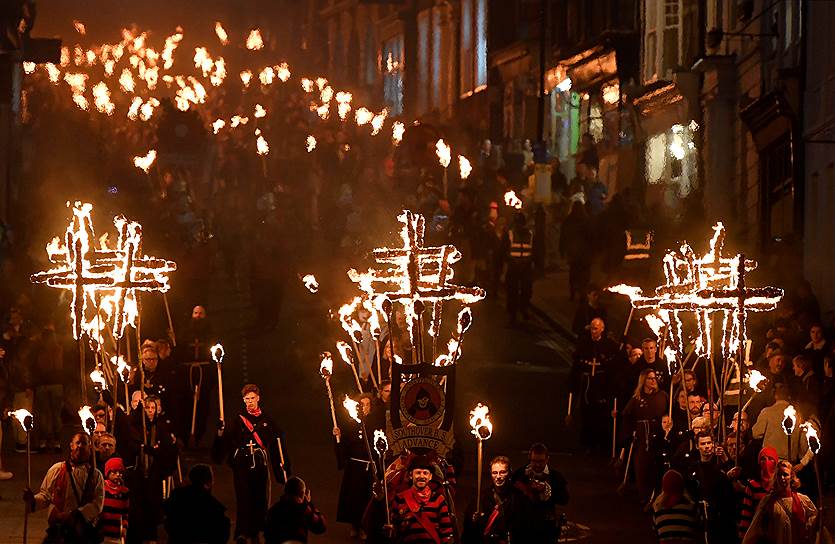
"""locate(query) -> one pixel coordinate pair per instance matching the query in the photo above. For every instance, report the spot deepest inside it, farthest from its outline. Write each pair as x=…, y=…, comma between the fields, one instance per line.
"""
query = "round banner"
x=422, y=401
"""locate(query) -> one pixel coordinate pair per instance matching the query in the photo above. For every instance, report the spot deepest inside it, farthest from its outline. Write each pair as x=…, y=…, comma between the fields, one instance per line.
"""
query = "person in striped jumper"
x=754, y=490
x=418, y=514
x=675, y=516
x=113, y=521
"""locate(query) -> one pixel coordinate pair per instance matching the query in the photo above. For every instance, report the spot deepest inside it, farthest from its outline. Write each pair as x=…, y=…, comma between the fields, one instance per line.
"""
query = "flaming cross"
x=415, y=274
x=704, y=285
x=101, y=277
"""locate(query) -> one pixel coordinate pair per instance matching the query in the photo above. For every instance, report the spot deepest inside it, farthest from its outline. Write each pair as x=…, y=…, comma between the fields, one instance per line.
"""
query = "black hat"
x=420, y=461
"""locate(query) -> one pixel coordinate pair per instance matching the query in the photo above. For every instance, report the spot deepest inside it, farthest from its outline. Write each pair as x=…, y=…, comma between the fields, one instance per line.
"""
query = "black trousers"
x=519, y=284
x=251, y=497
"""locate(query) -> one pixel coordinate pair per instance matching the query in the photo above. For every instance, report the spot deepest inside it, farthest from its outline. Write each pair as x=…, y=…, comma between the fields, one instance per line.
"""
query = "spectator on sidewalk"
x=576, y=249
x=47, y=376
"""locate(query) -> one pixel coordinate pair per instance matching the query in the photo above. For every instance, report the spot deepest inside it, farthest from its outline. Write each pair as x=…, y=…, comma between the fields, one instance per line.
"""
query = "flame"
x=126, y=82
x=77, y=82
x=219, y=73
x=261, y=144
x=282, y=71
x=267, y=76
x=171, y=43
x=81, y=101
x=144, y=163
x=238, y=120
x=97, y=376
x=307, y=85
x=397, y=131
x=346, y=317
x=789, y=419
x=812, y=438
x=377, y=122
x=246, y=77
x=147, y=109
x=755, y=378
x=217, y=352
x=345, y=352
x=482, y=427
x=381, y=443
x=203, y=60
x=133, y=110
x=79, y=27
x=101, y=98
x=88, y=421
x=259, y=111
x=254, y=42
x=671, y=356
x=122, y=368
x=628, y=290
x=464, y=167
x=20, y=415
x=53, y=72
x=326, y=364
x=217, y=125
x=443, y=151
x=655, y=323
x=310, y=282
x=321, y=82
x=29, y=67
x=327, y=94
x=363, y=116
x=310, y=143
x=511, y=200
x=611, y=93
x=323, y=111
x=221, y=33
x=343, y=98
x=65, y=56
x=352, y=407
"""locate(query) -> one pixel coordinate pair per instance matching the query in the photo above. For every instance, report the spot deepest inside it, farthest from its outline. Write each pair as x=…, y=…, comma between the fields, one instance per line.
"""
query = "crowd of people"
x=701, y=467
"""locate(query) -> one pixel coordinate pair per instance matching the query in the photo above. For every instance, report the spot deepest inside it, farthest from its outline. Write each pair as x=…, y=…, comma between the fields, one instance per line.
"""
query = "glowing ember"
x=397, y=131
x=326, y=365
x=443, y=151
x=79, y=27
x=513, y=201
x=217, y=125
x=217, y=352
x=254, y=42
x=21, y=415
x=310, y=282
x=144, y=163
x=88, y=421
x=221, y=33
x=755, y=378
x=464, y=167
x=789, y=419
x=352, y=407
x=310, y=143
x=97, y=377
x=482, y=427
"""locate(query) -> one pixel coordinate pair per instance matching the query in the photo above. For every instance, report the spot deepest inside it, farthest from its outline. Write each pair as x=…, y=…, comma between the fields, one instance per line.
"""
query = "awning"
x=769, y=118
x=660, y=106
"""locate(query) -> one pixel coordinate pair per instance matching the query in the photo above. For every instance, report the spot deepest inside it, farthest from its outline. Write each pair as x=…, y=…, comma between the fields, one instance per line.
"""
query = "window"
x=423, y=50
x=392, y=68
x=662, y=38
x=434, y=35
x=671, y=159
x=779, y=186
x=473, y=48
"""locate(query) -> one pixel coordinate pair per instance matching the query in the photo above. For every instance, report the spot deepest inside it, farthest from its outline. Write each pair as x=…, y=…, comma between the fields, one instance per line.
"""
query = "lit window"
x=423, y=32
x=392, y=67
x=473, y=46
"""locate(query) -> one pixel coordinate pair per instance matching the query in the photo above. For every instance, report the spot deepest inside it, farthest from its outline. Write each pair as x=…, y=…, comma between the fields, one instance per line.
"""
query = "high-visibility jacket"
x=521, y=248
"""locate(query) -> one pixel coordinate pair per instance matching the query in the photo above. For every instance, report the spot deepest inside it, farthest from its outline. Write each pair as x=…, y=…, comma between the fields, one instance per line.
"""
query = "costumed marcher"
x=352, y=458
x=518, y=251
x=294, y=516
x=755, y=489
x=590, y=385
x=502, y=511
x=545, y=488
x=156, y=460
x=113, y=522
x=642, y=419
x=254, y=446
x=73, y=490
x=194, y=352
x=784, y=516
x=419, y=514
x=711, y=487
x=675, y=516
x=193, y=515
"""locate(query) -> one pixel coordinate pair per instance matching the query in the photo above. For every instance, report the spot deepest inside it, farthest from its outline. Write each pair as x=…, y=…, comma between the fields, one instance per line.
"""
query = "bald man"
x=592, y=385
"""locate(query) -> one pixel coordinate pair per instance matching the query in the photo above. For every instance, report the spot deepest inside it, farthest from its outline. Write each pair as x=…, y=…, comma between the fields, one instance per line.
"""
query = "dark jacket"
x=194, y=516
x=290, y=520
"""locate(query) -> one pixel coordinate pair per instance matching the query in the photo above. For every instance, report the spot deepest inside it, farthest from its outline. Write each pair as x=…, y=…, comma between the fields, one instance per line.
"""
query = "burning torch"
x=27, y=422
x=814, y=443
x=482, y=430
x=347, y=355
x=326, y=371
x=88, y=421
x=218, y=352
x=789, y=421
x=123, y=370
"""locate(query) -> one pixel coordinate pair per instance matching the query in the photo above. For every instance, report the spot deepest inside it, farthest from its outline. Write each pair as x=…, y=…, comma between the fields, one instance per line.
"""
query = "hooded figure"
x=674, y=514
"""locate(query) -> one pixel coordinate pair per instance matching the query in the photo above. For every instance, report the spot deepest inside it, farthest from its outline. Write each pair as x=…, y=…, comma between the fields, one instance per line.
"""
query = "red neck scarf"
x=254, y=413
x=423, y=495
